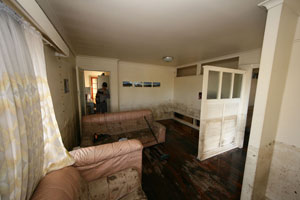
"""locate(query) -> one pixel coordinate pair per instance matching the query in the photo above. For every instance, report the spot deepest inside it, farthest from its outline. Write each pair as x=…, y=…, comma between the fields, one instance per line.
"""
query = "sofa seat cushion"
x=116, y=186
x=137, y=194
x=144, y=136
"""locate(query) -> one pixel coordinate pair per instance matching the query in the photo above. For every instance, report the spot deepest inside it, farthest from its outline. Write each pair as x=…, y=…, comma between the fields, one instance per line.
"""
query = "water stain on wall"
x=65, y=103
x=70, y=134
x=284, y=177
x=166, y=110
x=188, y=110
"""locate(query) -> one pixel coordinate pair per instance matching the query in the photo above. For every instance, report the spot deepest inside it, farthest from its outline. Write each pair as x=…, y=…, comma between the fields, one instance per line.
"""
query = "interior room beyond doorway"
x=94, y=81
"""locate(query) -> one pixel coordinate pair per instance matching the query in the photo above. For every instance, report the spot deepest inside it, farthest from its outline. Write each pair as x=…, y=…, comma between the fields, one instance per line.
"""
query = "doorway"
x=90, y=82
x=252, y=95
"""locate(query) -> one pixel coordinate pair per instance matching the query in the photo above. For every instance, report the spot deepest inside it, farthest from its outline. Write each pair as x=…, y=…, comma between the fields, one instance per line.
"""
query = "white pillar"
x=278, y=39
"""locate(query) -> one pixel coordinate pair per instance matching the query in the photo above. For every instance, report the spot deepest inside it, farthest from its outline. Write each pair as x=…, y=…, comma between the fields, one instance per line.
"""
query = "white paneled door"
x=222, y=118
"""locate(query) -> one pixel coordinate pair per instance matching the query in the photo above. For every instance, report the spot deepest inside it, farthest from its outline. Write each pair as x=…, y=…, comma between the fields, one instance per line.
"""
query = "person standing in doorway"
x=101, y=98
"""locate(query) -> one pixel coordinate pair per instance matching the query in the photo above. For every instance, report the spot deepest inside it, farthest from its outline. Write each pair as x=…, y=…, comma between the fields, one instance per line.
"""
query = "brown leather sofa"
x=131, y=125
x=108, y=172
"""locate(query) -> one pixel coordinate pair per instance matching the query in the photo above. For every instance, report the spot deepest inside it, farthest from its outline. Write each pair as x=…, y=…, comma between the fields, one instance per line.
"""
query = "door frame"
x=78, y=99
x=92, y=92
x=78, y=91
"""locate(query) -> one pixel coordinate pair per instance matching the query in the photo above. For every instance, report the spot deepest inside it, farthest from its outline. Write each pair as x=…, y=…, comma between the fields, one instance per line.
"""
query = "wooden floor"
x=182, y=176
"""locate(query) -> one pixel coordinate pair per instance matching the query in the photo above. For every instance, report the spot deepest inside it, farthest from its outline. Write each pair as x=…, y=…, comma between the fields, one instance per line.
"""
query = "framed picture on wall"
x=138, y=84
x=127, y=84
x=156, y=84
x=147, y=84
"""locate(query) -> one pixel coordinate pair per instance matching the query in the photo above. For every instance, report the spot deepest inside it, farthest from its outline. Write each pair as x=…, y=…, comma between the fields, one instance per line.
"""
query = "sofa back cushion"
x=116, y=123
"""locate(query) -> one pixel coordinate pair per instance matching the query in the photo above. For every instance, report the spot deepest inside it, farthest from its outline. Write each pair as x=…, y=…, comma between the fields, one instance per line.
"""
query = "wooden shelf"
x=187, y=120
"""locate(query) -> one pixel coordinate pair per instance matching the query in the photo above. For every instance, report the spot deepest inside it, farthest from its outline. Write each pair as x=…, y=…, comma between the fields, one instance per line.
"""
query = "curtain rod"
x=19, y=11
x=46, y=41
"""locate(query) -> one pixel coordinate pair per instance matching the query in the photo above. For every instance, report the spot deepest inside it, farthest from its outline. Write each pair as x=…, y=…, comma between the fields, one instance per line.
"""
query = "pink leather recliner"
x=109, y=171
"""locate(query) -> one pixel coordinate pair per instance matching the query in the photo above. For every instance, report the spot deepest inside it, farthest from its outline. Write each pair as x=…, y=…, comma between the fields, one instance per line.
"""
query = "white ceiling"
x=145, y=31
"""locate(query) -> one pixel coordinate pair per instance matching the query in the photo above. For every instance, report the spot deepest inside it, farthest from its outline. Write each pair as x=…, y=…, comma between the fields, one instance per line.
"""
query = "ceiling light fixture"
x=168, y=58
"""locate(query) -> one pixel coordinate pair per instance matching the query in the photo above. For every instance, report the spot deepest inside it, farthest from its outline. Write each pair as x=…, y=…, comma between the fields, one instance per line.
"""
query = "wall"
x=175, y=94
x=186, y=89
x=245, y=58
x=65, y=104
x=284, y=177
x=103, y=64
x=158, y=99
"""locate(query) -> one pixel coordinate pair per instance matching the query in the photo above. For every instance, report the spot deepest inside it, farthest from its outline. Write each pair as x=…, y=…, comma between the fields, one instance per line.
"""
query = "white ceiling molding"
x=294, y=5
x=41, y=20
x=268, y=4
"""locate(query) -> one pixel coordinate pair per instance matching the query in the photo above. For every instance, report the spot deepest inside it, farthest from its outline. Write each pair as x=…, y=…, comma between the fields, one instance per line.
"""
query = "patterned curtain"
x=30, y=141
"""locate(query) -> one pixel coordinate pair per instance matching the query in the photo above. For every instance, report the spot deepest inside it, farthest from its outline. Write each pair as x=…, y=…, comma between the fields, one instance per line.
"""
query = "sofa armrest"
x=160, y=131
x=103, y=160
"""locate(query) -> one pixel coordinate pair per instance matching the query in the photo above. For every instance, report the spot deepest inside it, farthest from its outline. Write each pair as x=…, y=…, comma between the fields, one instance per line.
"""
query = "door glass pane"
x=237, y=86
x=213, y=84
x=226, y=85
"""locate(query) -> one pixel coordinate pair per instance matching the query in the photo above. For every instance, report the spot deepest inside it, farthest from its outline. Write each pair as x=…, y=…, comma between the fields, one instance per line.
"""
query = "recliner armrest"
x=102, y=160
x=62, y=184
